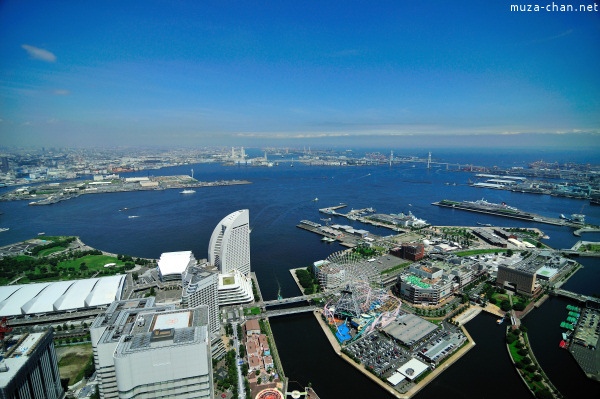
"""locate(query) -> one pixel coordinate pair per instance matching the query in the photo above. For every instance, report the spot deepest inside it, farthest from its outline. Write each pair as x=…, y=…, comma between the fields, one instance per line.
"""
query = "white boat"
x=316, y=199
x=124, y=209
x=133, y=216
x=41, y=234
x=4, y=229
x=187, y=192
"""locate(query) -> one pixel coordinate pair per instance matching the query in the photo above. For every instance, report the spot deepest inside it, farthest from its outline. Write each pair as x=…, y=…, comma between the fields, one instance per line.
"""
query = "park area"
x=53, y=260
x=75, y=362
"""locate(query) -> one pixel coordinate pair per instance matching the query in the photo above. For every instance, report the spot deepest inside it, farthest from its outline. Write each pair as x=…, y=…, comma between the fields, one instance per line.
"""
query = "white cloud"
x=39, y=53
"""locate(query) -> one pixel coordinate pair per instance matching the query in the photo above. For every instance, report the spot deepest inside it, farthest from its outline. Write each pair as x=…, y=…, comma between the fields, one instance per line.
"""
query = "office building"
x=166, y=355
x=521, y=276
x=28, y=368
x=142, y=350
x=229, y=247
x=200, y=287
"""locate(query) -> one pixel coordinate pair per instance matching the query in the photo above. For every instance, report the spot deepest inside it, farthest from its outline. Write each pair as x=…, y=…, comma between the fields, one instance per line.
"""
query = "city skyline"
x=104, y=73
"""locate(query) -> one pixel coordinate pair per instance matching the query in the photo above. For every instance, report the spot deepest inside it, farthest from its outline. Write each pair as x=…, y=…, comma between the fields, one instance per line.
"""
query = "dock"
x=332, y=209
x=530, y=217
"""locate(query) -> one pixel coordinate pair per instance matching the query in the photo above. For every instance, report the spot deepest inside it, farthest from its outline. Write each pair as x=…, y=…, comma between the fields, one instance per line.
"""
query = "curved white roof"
x=43, y=301
x=60, y=296
x=107, y=290
x=11, y=306
x=75, y=297
x=7, y=291
x=174, y=262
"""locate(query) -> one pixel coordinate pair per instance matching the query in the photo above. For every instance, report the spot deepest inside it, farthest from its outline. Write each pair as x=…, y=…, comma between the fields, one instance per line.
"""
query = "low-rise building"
x=410, y=330
x=235, y=288
x=422, y=291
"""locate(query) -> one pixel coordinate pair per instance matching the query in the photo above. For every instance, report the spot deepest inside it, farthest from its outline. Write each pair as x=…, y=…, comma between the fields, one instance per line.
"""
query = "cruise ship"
x=491, y=205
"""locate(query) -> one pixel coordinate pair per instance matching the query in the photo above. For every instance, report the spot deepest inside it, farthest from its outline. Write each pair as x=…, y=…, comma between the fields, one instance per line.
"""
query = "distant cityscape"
x=393, y=306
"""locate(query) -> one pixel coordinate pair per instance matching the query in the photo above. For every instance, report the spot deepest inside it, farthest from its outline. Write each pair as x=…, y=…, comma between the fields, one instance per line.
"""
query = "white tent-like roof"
x=60, y=296
x=107, y=290
x=42, y=302
x=174, y=263
x=11, y=306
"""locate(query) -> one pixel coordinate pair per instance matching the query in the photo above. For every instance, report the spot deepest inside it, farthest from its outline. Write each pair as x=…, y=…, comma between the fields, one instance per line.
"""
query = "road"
x=236, y=345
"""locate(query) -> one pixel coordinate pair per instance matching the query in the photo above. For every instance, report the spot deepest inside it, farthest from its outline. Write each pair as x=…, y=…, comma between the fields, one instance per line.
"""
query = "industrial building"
x=172, y=265
x=60, y=296
x=142, y=350
x=229, y=246
x=29, y=369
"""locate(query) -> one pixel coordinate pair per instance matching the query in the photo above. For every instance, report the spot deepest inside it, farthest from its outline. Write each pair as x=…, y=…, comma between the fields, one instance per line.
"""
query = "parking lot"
x=379, y=353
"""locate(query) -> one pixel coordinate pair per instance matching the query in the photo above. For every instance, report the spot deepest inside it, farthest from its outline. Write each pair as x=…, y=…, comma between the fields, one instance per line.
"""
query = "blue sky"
x=305, y=72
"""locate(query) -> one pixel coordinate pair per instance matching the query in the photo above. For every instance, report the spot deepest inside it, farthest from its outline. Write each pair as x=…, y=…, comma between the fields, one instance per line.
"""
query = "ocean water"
x=278, y=199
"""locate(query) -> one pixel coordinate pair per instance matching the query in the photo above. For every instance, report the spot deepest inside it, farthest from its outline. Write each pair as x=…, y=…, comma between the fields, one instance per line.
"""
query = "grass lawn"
x=250, y=311
x=500, y=297
x=73, y=363
x=590, y=247
x=393, y=269
x=228, y=280
x=49, y=251
x=480, y=251
x=93, y=262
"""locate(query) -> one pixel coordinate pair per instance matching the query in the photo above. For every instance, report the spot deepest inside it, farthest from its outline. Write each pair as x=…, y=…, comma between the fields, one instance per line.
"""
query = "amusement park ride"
x=362, y=298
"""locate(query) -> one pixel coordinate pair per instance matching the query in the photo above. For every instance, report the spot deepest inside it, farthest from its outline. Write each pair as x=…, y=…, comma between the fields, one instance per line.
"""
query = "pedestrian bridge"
x=283, y=312
x=589, y=301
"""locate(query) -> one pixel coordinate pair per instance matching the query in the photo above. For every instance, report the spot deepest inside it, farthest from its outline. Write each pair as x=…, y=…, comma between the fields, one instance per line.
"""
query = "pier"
x=530, y=217
x=332, y=209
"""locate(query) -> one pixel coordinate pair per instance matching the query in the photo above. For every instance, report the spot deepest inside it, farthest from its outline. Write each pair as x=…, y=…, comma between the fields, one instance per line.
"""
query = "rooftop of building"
x=165, y=328
x=409, y=329
x=174, y=262
x=17, y=353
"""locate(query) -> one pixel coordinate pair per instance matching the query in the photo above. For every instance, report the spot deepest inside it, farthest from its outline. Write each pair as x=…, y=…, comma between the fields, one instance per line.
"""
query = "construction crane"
x=4, y=328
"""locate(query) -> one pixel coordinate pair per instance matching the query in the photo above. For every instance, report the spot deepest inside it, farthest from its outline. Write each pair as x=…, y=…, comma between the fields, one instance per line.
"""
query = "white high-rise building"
x=200, y=287
x=229, y=247
x=142, y=350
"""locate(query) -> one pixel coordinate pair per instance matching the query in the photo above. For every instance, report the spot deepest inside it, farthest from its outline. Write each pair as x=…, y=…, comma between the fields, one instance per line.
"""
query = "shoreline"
x=414, y=390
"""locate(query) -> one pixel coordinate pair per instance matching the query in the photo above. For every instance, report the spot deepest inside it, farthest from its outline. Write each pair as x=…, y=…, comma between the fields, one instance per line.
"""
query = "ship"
x=187, y=192
x=500, y=321
x=2, y=229
x=484, y=224
x=491, y=205
x=133, y=216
